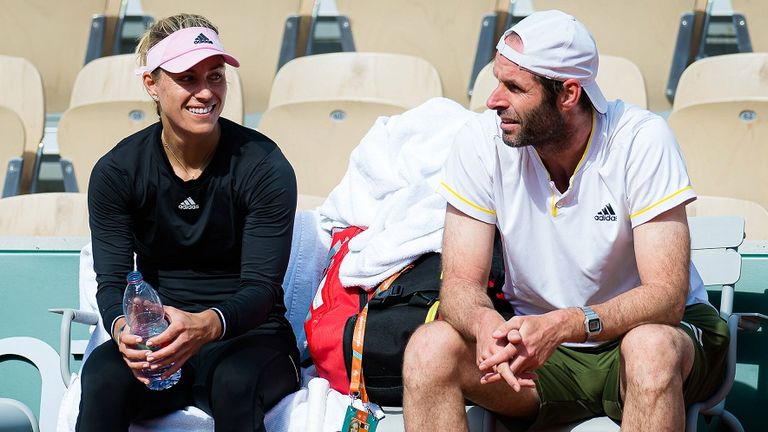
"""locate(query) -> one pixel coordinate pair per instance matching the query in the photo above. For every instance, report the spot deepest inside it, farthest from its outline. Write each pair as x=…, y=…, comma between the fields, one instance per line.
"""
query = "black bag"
x=393, y=316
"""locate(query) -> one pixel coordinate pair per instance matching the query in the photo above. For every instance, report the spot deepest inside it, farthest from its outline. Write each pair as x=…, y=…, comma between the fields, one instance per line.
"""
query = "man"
x=589, y=198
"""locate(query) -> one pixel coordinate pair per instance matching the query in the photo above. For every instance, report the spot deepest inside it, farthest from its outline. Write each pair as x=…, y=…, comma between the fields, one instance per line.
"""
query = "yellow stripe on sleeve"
x=639, y=212
x=468, y=202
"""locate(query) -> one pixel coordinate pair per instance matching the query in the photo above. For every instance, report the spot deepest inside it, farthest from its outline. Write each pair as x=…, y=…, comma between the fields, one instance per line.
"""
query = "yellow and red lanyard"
x=357, y=382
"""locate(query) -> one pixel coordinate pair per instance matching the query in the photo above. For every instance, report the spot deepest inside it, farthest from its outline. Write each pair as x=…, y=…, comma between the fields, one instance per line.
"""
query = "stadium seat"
x=317, y=118
x=618, y=78
x=750, y=18
x=397, y=79
x=14, y=415
x=485, y=84
x=21, y=91
x=108, y=78
x=87, y=132
x=720, y=119
x=755, y=215
x=50, y=214
x=724, y=147
x=11, y=149
x=54, y=36
x=658, y=36
x=317, y=137
x=254, y=31
x=723, y=77
x=449, y=36
x=108, y=104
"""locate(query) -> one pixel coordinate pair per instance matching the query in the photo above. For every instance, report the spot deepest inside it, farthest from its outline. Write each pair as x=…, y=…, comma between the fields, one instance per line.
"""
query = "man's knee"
x=433, y=350
x=656, y=356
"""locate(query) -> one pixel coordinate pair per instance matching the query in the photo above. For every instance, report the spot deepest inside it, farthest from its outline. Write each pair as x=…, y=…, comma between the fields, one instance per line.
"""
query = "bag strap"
x=432, y=314
x=357, y=382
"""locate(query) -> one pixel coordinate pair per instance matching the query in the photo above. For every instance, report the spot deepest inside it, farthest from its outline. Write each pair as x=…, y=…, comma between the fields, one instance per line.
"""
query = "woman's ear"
x=150, y=85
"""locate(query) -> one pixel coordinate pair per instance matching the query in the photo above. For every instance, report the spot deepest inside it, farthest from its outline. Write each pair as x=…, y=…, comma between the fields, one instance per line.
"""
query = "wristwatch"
x=592, y=323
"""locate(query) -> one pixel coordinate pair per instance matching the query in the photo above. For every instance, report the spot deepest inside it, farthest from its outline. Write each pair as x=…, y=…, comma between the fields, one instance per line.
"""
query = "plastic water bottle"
x=143, y=311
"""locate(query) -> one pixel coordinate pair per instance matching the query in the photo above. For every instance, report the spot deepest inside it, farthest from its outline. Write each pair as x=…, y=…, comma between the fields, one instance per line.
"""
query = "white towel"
x=389, y=188
x=190, y=419
x=291, y=413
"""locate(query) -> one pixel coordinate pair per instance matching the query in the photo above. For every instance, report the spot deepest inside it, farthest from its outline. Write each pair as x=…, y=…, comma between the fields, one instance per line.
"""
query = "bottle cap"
x=134, y=277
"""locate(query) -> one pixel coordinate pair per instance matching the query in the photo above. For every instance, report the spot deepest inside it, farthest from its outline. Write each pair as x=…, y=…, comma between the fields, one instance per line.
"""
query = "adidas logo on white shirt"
x=606, y=214
x=188, y=204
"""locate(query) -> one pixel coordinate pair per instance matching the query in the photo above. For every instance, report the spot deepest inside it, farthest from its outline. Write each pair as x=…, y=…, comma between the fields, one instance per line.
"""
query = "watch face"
x=594, y=325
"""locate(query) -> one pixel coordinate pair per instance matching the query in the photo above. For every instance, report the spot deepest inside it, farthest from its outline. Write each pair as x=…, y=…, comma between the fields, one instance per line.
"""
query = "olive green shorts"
x=578, y=383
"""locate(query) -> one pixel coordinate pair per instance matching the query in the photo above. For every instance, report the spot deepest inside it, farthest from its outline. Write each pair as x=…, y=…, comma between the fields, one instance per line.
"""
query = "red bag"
x=332, y=306
x=394, y=314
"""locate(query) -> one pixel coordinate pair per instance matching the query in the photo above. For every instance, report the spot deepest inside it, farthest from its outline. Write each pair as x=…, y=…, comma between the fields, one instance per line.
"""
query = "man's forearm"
x=646, y=304
x=466, y=306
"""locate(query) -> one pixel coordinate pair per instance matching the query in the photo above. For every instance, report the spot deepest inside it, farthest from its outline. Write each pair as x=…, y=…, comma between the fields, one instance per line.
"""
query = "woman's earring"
x=155, y=98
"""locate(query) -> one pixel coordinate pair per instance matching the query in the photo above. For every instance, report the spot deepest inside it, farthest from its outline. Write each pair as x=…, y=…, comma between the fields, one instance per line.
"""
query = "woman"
x=207, y=206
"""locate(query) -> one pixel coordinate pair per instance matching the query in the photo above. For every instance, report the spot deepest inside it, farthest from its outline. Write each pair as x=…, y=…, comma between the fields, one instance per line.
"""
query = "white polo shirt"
x=574, y=248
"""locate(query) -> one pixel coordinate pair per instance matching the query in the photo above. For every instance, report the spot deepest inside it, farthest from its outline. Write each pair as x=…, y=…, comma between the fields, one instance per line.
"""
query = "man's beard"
x=542, y=128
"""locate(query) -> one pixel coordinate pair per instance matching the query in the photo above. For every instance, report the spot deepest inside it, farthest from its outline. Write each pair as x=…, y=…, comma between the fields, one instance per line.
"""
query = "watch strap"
x=592, y=323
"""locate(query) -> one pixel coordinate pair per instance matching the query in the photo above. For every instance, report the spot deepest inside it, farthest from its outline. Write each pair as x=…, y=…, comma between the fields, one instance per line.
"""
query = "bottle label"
x=148, y=331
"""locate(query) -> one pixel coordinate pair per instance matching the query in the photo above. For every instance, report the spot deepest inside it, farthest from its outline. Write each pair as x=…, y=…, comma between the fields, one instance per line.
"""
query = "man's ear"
x=569, y=98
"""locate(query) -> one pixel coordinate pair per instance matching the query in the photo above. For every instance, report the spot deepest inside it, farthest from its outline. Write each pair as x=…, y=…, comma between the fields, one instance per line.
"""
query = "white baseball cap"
x=557, y=46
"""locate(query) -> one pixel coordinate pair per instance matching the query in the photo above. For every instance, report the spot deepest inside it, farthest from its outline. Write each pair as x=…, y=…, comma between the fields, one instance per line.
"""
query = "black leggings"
x=235, y=381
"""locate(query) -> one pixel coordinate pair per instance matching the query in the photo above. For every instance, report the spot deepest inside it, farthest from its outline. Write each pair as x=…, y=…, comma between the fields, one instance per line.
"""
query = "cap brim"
x=596, y=97
x=187, y=61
